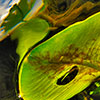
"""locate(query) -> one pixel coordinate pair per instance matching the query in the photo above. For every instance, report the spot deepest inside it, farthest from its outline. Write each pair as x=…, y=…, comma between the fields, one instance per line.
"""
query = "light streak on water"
x=5, y=6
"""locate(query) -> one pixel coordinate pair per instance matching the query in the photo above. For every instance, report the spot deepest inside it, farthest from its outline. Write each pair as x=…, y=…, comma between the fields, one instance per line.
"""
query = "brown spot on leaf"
x=67, y=56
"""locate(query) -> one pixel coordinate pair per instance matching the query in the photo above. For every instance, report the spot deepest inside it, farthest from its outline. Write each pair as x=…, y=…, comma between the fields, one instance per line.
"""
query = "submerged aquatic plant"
x=58, y=44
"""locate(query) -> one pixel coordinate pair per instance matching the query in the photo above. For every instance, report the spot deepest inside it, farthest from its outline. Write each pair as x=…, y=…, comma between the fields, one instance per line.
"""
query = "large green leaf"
x=78, y=45
x=28, y=34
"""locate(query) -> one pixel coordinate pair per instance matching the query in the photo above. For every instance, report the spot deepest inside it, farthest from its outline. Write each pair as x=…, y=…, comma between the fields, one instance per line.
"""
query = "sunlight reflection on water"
x=5, y=5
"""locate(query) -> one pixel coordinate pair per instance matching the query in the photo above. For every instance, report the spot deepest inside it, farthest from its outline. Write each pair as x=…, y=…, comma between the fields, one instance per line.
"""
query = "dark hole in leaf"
x=67, y=78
